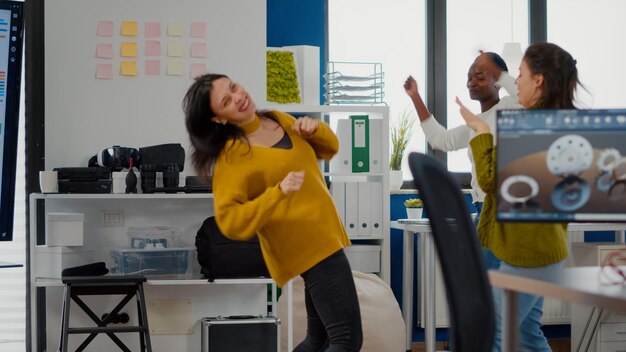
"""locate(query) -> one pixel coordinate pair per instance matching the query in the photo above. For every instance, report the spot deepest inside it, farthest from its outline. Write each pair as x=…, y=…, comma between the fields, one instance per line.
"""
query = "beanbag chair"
x=383, y=326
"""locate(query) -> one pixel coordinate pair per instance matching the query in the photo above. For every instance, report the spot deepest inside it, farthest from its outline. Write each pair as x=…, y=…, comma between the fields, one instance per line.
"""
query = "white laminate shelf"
x=107, y=196
x=353, y=174
x=298, y=108
x=50, y=282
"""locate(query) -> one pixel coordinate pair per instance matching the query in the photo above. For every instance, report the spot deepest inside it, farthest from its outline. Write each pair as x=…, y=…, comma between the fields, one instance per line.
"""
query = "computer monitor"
x=11, y=43
x=561, y=165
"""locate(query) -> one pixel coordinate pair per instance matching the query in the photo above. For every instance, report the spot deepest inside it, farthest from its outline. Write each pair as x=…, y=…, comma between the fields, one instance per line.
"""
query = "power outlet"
x=112, y=218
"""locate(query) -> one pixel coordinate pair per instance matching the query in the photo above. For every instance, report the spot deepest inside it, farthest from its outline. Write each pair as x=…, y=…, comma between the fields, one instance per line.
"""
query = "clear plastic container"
x=154, y=237
x=155, y=261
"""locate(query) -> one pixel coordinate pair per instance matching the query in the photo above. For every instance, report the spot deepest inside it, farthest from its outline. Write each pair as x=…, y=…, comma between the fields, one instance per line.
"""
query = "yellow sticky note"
x=128, y=68
x=175, y=29
x=175, y=49
x=129, y=28
x=175, y=68
x=129, y=49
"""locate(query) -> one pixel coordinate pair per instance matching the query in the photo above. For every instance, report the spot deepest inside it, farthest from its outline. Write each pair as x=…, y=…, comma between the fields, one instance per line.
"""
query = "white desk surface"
x=428, y=271
x=576, y=285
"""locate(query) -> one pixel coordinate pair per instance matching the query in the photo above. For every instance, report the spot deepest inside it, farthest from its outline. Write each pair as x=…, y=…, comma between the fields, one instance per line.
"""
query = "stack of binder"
x=359, y=202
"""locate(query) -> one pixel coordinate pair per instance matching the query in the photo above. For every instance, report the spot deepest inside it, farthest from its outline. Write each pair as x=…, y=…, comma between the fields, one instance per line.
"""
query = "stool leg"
x=65, y=317
x=143, y=320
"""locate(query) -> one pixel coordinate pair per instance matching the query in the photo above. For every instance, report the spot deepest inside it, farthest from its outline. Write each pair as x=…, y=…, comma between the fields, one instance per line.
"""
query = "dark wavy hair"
x=497, y=60
x=560, y=75
x=207, y=137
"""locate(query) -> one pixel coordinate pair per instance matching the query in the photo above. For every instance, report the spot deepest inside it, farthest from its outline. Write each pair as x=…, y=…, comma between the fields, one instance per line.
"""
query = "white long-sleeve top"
x=458, y=138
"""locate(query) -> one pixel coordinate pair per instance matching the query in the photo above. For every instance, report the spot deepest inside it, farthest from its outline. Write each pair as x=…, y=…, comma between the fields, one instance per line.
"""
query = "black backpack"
x=223, y=258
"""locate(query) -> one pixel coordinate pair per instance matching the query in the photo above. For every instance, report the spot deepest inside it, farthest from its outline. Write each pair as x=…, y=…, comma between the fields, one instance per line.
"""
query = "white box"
x=307, y=59
x=364, y=257
x=64, y=229
x=50, y=261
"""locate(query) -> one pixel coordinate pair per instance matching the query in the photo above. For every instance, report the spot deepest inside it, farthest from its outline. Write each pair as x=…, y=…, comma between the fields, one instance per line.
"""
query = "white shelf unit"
x=378, y=180
x=186, y=211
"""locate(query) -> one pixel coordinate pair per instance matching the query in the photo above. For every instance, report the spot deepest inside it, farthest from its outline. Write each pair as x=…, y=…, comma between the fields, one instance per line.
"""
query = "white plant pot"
x=414, y=213
x=395, y=179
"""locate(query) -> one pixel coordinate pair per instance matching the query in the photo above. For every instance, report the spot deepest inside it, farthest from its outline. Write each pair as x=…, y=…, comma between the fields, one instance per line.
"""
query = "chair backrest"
x=468, y=290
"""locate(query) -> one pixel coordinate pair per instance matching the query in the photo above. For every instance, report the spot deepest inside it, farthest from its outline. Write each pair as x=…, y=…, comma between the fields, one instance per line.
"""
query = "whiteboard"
x=84, y=115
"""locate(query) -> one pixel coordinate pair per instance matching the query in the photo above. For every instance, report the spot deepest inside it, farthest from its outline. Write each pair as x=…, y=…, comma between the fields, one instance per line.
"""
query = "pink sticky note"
x=153, y=48
x=196, y=70
x=198, y=50
x=153, y=67
x=198, y=30
x=105, y=28
x=153, y=29
x=104, y=71
x=104, y=51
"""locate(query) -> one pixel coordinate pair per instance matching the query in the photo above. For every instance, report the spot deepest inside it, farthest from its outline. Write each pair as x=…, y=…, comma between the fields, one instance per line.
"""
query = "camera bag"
x=162, y=155
x=223, y=258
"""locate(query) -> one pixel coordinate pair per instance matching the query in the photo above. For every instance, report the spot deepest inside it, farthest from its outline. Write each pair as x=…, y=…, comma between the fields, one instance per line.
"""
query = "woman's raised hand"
x=474, y=122
x=305, y=126
x=292, y=182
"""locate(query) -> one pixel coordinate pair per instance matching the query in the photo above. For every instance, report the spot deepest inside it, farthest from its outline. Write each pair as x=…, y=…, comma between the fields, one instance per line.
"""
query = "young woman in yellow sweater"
x=548, y=79
x=267, y=183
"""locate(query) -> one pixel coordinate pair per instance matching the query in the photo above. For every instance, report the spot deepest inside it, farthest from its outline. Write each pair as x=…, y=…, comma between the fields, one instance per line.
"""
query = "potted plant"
x=414, y=208
x=400, y=133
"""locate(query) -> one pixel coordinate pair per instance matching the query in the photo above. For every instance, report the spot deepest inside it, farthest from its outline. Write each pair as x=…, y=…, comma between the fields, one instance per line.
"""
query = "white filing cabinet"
x=610, y=335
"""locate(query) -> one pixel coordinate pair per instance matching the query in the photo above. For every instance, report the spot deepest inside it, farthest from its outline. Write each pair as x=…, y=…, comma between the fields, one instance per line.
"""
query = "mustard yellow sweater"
x=296, y=231
x=516, y=243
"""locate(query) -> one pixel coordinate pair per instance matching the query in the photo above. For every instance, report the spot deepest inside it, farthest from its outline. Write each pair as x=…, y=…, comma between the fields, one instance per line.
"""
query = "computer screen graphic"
x=11, y=42
x=561, y=165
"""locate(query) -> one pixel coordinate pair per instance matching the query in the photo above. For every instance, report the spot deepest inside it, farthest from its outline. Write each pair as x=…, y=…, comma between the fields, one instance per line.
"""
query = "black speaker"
x=244, y=333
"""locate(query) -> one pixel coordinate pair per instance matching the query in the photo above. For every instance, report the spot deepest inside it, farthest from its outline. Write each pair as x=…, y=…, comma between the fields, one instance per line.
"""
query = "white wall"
x=84, y=115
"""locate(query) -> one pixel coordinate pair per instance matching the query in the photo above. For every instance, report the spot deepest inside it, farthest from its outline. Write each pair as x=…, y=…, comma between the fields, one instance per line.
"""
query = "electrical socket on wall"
x=112, y=218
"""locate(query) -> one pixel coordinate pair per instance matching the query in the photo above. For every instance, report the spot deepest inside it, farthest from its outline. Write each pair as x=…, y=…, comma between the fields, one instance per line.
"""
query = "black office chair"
x=470, y=302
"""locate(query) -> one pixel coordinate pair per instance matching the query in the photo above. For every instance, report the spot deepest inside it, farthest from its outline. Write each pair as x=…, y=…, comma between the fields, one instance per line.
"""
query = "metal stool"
x=131, y=286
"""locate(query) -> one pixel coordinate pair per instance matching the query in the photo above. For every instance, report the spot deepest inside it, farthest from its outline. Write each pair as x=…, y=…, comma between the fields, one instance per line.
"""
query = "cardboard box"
x=50, y=261
x=64, y=229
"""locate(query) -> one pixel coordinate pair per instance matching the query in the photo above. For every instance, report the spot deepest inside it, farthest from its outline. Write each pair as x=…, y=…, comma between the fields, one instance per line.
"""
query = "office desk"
x=576, y=285
x=427, y=269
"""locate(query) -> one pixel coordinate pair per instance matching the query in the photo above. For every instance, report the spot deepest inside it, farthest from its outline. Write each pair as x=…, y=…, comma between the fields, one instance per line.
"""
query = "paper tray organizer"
x=354, y=83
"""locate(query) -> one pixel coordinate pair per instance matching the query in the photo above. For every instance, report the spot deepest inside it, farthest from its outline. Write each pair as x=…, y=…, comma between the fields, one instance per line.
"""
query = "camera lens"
x=148, y=178
x=170, y=175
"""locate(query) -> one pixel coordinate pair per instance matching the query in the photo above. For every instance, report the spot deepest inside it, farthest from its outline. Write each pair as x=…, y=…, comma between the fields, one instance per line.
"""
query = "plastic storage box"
x=364, y=257
x=154, y=237
x=155, y=261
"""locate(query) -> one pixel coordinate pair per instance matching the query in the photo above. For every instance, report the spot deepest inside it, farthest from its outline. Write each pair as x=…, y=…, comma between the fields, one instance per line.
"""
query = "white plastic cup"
x=48, y=181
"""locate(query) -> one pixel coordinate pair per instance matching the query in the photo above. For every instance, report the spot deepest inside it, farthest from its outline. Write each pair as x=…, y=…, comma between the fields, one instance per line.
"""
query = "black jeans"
x=332, y=306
